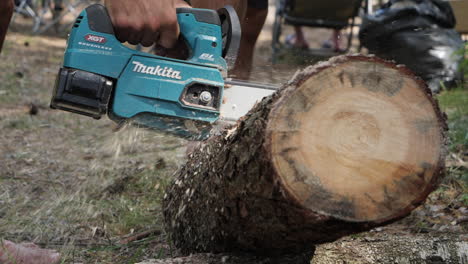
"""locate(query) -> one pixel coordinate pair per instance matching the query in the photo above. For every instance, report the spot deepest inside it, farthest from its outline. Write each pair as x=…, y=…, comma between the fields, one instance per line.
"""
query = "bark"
x=208, y=258
x=402, y=248
x=345, y=146
x=371, y=248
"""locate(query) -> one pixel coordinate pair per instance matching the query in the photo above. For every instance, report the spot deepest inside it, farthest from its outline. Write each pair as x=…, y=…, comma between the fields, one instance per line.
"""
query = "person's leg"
x=297, y=40
x=251, y=27
x=6, y=10
x=252, y=14
x=336, y=40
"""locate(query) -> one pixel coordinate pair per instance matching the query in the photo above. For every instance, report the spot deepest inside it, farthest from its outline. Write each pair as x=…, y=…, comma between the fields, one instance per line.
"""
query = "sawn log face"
x=256, y=187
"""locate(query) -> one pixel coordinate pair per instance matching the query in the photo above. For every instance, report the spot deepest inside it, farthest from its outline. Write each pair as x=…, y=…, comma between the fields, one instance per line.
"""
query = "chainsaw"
x=186, y=97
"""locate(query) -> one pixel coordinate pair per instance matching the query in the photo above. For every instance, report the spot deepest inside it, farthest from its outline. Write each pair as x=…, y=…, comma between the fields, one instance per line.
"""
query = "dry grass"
x=70, y=182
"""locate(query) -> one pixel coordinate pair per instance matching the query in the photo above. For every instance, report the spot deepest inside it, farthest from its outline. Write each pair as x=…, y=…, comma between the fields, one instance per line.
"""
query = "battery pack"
x=82, y=92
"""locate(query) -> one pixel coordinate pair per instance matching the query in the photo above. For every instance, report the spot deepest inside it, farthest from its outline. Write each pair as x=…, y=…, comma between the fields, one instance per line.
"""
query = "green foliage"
x=464, y=199
x=464, y=63
x=455, y=104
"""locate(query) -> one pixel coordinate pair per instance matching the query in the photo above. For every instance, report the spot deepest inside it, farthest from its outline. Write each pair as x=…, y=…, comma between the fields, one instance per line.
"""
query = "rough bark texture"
x=401, y=248
x=371, y=248
x=208, y=258
x=249, y=189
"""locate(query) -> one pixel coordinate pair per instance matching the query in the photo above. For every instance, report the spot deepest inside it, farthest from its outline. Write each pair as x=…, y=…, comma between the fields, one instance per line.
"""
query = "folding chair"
x=26, y=8
x=332, y=14
x=70, y=7
x=40, y=23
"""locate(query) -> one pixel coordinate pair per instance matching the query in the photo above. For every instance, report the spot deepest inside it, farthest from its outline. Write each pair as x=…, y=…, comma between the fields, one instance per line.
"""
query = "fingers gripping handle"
x=200, y=28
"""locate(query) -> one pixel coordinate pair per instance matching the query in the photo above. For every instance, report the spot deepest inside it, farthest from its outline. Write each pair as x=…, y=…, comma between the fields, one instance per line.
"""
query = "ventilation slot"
x=78, y=21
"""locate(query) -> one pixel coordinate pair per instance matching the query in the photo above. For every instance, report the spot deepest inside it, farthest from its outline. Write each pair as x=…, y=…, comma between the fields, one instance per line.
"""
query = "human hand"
x=146, y=21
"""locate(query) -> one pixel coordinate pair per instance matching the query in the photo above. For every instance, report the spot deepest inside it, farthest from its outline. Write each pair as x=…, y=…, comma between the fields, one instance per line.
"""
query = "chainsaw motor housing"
x=102, y=76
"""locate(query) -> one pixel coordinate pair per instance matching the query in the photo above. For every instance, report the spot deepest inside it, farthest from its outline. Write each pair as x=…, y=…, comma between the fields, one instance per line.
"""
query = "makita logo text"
x=96, y=39
x=158, y=70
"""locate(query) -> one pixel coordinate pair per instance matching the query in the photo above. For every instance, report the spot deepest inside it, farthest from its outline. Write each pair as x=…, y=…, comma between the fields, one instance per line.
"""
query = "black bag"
x=419, y=34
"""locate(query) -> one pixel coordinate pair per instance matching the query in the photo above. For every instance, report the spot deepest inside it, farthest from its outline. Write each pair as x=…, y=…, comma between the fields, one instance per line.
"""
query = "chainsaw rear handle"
x=200, y=28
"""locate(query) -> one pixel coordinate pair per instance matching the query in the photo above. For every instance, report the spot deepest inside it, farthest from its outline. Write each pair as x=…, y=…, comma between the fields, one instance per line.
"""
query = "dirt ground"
x=87, y=188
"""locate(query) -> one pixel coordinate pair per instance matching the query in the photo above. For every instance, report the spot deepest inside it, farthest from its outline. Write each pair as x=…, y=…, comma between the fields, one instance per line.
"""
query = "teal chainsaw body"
x=102, y=76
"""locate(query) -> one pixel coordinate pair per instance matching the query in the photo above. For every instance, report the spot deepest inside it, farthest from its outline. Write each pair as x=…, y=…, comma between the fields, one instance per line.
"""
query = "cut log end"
x=360, y=141
x=345, y=146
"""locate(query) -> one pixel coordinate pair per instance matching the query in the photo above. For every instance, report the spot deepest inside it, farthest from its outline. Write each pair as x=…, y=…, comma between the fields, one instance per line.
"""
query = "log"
x=374, y=248
x=209, y=258
x=396, y=248
x=345, y=146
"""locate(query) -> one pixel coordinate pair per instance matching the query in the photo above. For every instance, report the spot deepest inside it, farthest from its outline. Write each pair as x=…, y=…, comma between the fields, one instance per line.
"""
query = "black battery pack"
x=82, y=92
